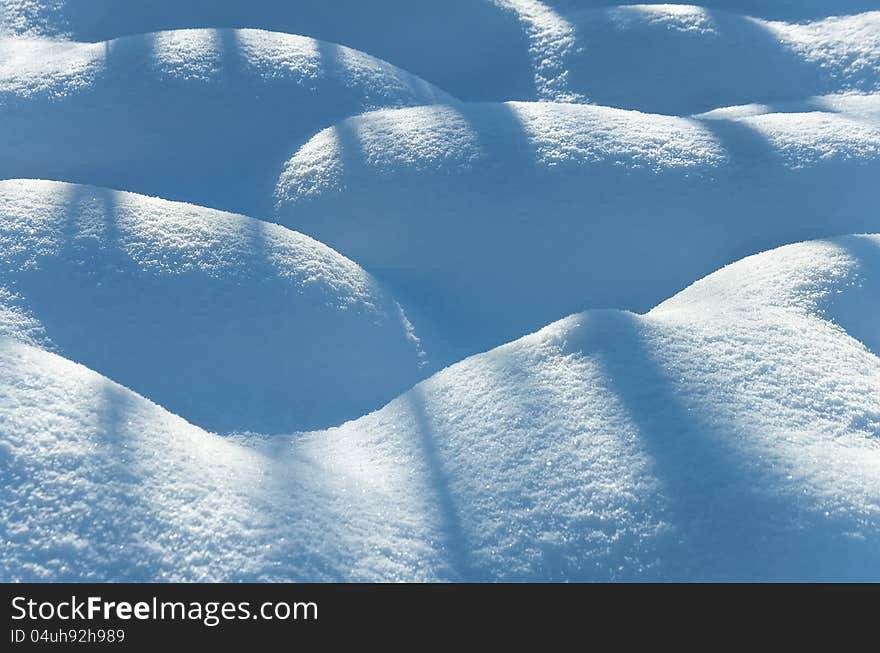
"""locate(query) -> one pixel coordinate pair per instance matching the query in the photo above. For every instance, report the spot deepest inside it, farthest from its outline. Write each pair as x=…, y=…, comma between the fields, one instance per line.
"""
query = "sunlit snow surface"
x=649, y=204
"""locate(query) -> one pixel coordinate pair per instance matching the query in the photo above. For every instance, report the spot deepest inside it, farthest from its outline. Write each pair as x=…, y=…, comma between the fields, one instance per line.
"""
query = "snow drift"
x=684, y=59
x=646, y=56
x=99, y=484
x=206, y=116
x=730, y=433
x=494, y=219
x=472, y=47
x=230, y=322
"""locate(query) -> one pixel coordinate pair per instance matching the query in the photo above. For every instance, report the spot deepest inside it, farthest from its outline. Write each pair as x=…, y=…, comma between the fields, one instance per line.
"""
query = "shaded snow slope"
x=791, y=10
x=230, y=322
x=470, y=47
x=654, y=56
x=498, y=218
x=730, y=433
x=100, y=484
x=684, y=59
x=206, y=116
x=854, y=105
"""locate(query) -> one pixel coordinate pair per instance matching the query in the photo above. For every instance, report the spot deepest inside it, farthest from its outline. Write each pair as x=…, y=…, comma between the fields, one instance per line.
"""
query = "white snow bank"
x=230, y=322
x=650, y=56
x=730, y=433
x=470, y=47
x=99, y=484
x=677, y=59
x=206, y=116
x=856, y=105
x=792, y=10
x=497, y=218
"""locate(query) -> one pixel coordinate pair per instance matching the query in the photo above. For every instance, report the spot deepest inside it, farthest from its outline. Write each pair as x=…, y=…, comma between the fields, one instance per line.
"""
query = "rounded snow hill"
x=681, y=59
x=206, y=116
x=732, y=433
x=493, y=49
x=794, y=10
x=100, y=484
x=671, y=58
x=493, y=219
x=476, y=48
x=854, y=105
x=230, y=322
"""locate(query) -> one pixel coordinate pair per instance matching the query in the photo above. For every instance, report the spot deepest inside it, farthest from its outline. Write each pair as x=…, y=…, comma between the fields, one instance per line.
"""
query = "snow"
x=233, y=323
x=205, y=116
x=491, y=220
x=562, y=50
x=474, y=48
x=684, y=59
x=730, y=433
x=100, y=484
x=530, y=290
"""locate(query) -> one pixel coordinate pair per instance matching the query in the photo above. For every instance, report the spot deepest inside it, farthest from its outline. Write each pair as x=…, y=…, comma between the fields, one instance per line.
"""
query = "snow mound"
x=206, y=116
x=730, y=433
x=855, y=105
x=475, y=48
x=650, y=56
x=230, y=322
x=684, y=59
x=494, y=219
x=99, y=484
